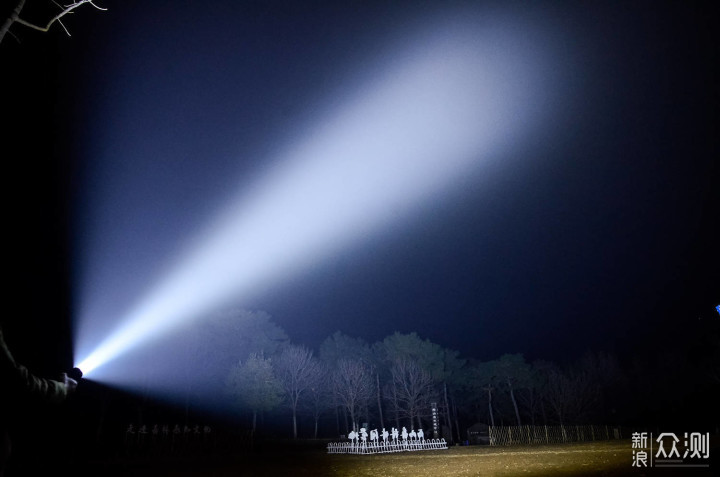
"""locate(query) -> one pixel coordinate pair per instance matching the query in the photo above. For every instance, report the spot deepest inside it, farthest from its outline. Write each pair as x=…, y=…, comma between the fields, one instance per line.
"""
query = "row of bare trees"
x=393, y=380
x=392, y=383
x=542, y=392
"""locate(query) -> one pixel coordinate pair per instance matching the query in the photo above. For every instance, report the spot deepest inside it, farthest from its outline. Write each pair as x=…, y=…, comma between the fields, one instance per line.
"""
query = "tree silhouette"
x=353, y=386
x=512, y=372
x=252, y=383
x=297, y=371
x=413, y=387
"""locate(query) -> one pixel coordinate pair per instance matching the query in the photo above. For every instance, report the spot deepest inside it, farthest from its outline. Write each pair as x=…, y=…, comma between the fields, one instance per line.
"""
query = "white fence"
x=384, y=447
x=510, y=435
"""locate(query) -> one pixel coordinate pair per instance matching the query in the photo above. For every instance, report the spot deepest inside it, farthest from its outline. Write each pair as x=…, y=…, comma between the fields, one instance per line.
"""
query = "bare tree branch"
x=64, y=10
x=412, y=387
x=297, y=371
x=353, y=385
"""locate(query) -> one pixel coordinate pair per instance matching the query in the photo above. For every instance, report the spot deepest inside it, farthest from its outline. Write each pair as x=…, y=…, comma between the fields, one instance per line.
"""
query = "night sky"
x=598, y=230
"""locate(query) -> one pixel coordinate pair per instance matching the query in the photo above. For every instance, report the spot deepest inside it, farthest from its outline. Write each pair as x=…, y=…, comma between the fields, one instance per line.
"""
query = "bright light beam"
x=401, y=139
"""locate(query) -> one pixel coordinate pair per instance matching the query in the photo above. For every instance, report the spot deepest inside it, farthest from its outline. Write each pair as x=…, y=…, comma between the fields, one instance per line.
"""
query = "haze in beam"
x=415, y=126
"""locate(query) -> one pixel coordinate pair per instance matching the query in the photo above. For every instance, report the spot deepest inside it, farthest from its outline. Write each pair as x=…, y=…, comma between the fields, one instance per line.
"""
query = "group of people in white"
x=360, y=437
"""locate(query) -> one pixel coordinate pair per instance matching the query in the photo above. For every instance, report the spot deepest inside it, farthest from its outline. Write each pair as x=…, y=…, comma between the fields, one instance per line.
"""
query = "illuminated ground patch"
x=606, y=458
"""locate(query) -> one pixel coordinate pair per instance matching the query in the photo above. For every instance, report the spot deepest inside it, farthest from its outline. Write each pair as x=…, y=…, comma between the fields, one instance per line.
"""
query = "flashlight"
x=75, y=374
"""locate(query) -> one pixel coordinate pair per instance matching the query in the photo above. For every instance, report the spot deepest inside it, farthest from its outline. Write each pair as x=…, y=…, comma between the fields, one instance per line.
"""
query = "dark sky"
x=599, y=230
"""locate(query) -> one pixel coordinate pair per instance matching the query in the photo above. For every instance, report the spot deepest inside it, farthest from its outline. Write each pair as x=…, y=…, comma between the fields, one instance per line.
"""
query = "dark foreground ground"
x=608, y=458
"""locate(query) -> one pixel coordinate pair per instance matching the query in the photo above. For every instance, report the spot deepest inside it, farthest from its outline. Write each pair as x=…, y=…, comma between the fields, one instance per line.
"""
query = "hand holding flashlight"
x=70, y=383
x=71, y=378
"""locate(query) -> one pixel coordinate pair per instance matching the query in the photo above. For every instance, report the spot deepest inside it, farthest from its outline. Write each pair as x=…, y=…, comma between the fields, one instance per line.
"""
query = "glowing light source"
x=390, y=146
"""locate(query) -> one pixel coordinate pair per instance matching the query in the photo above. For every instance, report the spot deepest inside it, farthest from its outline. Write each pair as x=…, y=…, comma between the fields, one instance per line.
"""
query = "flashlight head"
x=75, y=374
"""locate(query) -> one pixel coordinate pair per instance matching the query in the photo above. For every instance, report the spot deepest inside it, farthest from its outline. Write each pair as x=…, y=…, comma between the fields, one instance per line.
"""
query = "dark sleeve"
x=23, y=383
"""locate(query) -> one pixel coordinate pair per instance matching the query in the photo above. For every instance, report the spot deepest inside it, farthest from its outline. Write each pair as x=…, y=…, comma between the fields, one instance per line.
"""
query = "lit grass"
x=601, y=458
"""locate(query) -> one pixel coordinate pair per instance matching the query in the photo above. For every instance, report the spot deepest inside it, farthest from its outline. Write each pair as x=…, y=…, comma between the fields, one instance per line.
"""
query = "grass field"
x=607, y=458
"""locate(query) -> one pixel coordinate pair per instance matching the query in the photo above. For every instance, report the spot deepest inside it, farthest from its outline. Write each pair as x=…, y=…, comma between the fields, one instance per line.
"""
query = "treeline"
x=393, y=382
